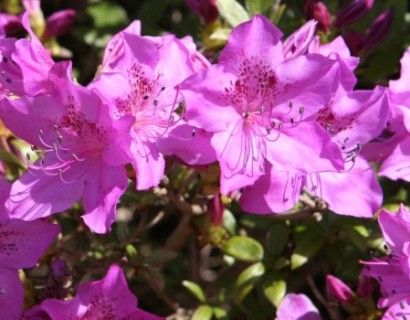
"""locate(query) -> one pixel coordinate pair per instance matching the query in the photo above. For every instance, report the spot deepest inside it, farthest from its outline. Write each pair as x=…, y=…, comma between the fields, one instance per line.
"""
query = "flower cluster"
x=280, y=117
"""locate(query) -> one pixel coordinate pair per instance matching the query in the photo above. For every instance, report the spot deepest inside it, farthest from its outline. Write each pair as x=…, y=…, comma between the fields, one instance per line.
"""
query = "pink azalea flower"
x=255, y=104
x=24, y=65
x=392, y=146
x=145, y=73
x=392, y=271
x=80, y=150
x=108, y=298
x=297, y=307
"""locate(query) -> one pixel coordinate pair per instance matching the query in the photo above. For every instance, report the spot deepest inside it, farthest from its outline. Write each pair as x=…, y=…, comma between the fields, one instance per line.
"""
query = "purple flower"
x=141, y=81
x=297, y=307
x=353, y=12
x=80, y=152
x=392, y=146
x=392, y=271
x=108, y=298
x=255, y=104
x=24, y=65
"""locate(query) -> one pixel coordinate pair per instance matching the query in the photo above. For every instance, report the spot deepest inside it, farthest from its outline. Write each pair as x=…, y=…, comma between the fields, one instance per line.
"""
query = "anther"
x=193, y=133
x=245, y=115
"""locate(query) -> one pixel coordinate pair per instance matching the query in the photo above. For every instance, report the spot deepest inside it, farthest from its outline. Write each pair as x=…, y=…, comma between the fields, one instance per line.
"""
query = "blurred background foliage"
x=182, y=258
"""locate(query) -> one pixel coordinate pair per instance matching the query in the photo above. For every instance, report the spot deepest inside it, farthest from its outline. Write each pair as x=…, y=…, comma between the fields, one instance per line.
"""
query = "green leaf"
x=203, y=312
x=220, y=313
x=232, y=11
x=258, y=6
x=229, y=222
x=246, y=281
x=277, y=239
x=244, y=248
x=159, y=257
x=309, y=240
x=107, y=14
x=195, y=289
x=275, y=292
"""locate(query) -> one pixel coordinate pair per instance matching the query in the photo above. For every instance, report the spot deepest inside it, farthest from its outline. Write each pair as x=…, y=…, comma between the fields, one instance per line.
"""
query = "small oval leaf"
x=195, y=289
x=275, y=292
x=244, y=249
x=203, y=312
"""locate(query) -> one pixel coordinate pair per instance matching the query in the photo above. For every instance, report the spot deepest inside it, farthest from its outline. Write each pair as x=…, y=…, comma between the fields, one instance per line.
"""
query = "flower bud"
x=354, y=40
x=206, y=9
x=10, y=24
x=317, y=10
x=215, y=210
x=378, y=30
x=353, y=12
x=337, y=289
x=59, y=23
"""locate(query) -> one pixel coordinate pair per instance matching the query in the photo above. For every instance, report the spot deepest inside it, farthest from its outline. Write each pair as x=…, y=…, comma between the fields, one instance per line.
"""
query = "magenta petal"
x=5, y=188
x=24, y=242
x=399, y=310
x=304, y=148
x=149, y=164
x=192, y=145
x=298, y=42
x=11, y=294
x=361, y=199
x=273, y=192
x=108, y=298
x=101, y=197
x=37, y=194
x=297, y=307
x=204, y=97
x=261, y=37
x=396, y=166
x=395, y=227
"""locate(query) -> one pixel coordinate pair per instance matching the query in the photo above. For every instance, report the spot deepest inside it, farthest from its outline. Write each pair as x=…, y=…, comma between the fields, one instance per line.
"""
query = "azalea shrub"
x=204, y=159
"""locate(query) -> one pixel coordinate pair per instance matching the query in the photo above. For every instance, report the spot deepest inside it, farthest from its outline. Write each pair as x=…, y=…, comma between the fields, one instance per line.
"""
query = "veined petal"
x=101, y=197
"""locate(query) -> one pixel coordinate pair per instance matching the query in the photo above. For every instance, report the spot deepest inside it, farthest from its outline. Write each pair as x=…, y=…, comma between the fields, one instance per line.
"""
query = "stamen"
x=40, y=137
x=76, y=157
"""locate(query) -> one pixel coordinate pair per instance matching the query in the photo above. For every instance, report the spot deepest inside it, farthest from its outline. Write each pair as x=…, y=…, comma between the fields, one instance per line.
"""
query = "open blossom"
x=391, y=147
x=392, y=271
x=141, y=80
x=108, y=298
x=79, y=150
x=255, y=104
x=24, y=65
